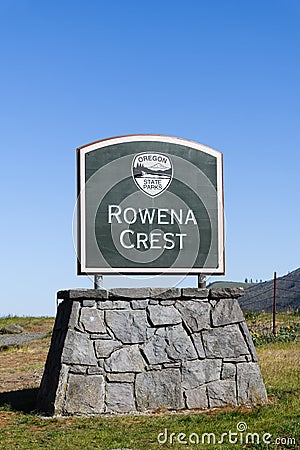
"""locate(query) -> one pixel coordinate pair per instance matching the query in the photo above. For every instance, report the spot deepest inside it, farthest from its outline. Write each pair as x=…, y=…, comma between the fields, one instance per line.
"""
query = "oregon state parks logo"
x=152, y=172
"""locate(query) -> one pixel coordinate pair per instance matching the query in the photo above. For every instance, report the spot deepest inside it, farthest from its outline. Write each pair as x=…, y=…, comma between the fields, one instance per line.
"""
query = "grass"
x=30, y=324
x=280, y=366
x=264, y=321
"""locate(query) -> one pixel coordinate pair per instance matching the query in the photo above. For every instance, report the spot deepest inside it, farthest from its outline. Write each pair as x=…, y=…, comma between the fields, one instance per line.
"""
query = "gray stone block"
x=62, y=385
x=136, y=293
x=153, y=302
x=228, y=371
x=179, y=344
x=197, y=340
x=226, y=293
x=195, y=314
x=163, y=315
x=121, y=377
x=156, y=390
x=89, y=303
x=221, y=393
x=78, y=349
x=81, y=370
x=81, y=294
x=167, y=302
x=95, y=371
x=196, y=398
x=234, y=360
x=150, y=367
x=139, y=304
x=250, y=385
x=85, y=394
x=196, y=373
x=63, y=294
x=120, y=398
x=120, y=304
x=113, y=304
x=165, y=293
x=225, y=342
x=104, y=348
x=126, y=359
x=195, y=293
x=74, y=316
x=249, y=341
x=92, y=320
x=173, y=365
x=226, y=311
x=129, y=327
x=92, y=294
x=169, y=344
x=105, y=304
x=96, y=336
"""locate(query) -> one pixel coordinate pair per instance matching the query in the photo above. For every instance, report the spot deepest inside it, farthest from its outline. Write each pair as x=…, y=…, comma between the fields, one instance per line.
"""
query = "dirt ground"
x=22, y=368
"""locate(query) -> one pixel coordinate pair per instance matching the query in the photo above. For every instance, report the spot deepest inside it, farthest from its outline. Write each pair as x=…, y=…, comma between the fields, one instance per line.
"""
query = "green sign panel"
x=150, y=204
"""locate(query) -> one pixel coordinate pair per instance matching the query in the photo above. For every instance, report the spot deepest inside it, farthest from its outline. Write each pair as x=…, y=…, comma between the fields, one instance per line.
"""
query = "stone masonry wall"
x=137, y=350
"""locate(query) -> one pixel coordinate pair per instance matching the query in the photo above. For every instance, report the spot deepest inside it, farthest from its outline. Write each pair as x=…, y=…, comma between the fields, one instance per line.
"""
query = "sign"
x=150, y=204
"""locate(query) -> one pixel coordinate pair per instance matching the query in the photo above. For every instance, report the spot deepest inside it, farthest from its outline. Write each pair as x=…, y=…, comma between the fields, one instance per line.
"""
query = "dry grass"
x=280, y=365
x=22, y=368
x=30, y=324
x=21, y=371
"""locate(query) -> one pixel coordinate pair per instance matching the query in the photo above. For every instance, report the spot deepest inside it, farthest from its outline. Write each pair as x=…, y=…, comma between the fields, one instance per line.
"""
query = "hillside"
x=230, y=284
x=259, y=297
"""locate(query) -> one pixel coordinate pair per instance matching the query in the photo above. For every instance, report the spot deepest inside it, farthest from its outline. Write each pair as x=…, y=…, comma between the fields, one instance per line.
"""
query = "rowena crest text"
x=155, y=239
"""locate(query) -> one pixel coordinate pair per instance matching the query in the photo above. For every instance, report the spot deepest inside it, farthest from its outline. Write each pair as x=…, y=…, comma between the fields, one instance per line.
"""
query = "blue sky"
x=225, y=74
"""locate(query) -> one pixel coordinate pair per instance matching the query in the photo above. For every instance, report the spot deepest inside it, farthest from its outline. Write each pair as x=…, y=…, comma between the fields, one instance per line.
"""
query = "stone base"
x=137, y=350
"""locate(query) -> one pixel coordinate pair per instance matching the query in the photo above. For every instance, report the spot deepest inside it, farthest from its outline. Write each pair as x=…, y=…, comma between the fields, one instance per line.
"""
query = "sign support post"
x=201, y=281
x=98, y=282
